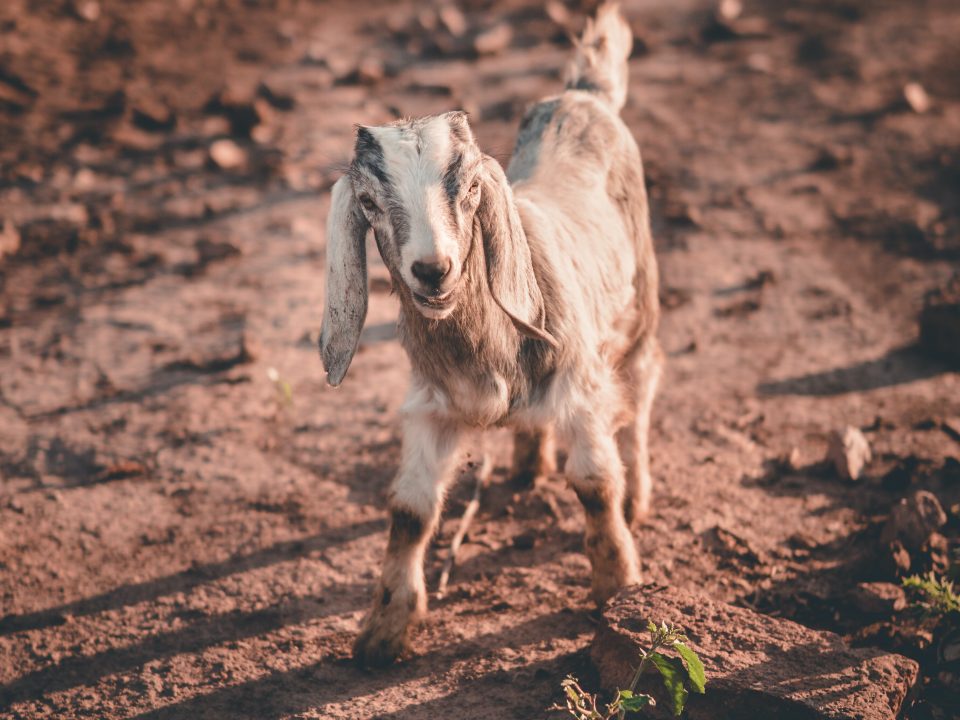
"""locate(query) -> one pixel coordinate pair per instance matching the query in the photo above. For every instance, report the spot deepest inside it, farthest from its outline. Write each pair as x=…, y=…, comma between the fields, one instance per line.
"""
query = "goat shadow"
x=897, y=367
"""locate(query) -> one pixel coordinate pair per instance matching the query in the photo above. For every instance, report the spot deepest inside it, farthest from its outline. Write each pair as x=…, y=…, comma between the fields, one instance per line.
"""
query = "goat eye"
x=368, y=204
x=474, y=186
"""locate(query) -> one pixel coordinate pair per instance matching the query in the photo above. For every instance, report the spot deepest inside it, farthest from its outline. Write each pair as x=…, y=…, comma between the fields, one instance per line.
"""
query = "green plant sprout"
x=678, y=674
x=934, y=595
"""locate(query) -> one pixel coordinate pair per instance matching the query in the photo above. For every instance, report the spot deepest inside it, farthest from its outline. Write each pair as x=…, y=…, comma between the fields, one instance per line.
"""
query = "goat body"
x=528, y=299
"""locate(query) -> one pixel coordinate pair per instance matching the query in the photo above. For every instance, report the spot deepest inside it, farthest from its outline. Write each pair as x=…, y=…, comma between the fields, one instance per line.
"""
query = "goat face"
x=430, y=196
x=417, y=184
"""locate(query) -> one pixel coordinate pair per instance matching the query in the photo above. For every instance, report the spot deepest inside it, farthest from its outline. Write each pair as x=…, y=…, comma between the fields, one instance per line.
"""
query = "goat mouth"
x=436, y=302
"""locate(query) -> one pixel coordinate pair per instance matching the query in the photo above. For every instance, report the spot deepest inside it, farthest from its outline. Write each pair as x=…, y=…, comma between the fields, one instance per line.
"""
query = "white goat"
x=532, y=306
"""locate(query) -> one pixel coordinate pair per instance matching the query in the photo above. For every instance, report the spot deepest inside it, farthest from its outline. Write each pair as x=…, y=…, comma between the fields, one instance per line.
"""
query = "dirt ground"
x=191, y=521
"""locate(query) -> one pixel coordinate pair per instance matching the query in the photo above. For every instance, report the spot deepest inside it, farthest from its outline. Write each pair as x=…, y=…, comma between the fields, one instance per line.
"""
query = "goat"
x=528, y=299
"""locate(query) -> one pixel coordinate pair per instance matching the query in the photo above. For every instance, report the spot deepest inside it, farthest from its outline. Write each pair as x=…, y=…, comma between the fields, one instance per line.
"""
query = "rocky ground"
x=191, y=521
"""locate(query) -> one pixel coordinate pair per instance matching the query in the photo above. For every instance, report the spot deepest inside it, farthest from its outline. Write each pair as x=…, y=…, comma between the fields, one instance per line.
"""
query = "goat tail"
x=599, y=63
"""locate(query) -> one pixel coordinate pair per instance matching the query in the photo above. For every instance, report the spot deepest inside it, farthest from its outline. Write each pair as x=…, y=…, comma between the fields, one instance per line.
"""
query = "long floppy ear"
x=509, y=267
x=346, y=302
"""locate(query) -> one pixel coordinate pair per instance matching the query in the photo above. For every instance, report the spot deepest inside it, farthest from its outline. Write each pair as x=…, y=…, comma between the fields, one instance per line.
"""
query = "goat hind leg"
x=642, y=377
x=596, y=474
x=534, y=456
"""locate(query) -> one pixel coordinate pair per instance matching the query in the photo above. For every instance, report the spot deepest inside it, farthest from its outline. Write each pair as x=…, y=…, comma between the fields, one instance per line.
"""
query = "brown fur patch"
x=406, y=529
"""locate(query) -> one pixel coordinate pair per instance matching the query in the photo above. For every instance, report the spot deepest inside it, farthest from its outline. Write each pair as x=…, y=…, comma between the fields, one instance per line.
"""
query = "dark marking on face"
x=399, y=221
x=406, y=528
x=387, y=597
x=452, y=177
x=369, y=155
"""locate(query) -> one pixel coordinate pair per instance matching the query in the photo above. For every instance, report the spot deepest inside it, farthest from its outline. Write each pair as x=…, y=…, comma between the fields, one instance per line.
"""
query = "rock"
x=227, y=154
x=951, y=426
x=731, y=548
x=215, y=347
x=791, y=461
x=914, y=519
x=558, y=12
x=427, y=19
x=453, y=20
x=878, y=598
x=235, y=103
x=370, y=70
x=9, y=239
x=849, y=451
x=757, y=666
x=276, y=93
x=730, y=10
x=916, y=97
x=153, y=116
x=88, y=10
x=494, y=40
x=900, y=558
x=940, y=322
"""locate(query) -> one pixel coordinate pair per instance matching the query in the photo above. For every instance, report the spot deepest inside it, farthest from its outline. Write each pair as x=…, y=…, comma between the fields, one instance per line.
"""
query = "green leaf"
x=672, y=672
x=634, y=703
x=695, y=671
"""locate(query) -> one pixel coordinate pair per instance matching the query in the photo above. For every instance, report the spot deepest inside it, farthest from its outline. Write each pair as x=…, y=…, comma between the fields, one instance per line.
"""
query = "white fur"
x=568, y=206
x=417, y=179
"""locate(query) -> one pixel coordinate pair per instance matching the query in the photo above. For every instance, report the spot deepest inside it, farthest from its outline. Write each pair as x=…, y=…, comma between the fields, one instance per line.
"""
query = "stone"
x=235, y=102
x=153, y=115
x=757, y=666
x=878, y=599
x=849, y=452
x=494, y=40
x=9, y=239
x=453, y=19
x=88, y=10
x=371, y=70
x=917, y=97
x=899, y=557
x=914, y=519
x=227, y=154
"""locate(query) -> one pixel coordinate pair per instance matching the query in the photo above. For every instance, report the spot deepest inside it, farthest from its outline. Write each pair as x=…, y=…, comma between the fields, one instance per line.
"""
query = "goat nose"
x=431, y=271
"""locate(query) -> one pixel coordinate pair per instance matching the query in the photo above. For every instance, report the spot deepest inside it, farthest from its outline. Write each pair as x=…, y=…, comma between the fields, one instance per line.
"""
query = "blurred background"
x=191, y=522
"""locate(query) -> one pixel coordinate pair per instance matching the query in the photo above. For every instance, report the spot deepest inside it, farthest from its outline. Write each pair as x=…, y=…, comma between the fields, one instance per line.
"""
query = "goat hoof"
x=613, y=571
x=376, y=649
x=601, y=592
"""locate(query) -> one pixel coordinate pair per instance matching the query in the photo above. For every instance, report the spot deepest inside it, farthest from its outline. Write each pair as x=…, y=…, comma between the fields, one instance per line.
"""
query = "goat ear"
x=506, y=252
x=346, y=293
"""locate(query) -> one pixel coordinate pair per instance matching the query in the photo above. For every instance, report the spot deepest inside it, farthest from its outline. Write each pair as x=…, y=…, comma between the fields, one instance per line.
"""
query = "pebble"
x=494, y=40
x=849, y=452
x=227, y=154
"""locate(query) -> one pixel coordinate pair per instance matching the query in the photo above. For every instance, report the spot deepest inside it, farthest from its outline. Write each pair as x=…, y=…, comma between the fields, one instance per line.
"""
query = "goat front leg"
x=427, y=465
x=596, y=474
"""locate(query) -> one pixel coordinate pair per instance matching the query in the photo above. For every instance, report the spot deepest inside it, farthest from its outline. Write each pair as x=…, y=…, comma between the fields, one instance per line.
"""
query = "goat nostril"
x=431, y=273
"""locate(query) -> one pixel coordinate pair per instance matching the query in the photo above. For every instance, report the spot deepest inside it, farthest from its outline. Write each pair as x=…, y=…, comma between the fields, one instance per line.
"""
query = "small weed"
x=933, y=595
x=678, y=674
x=283, y=388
